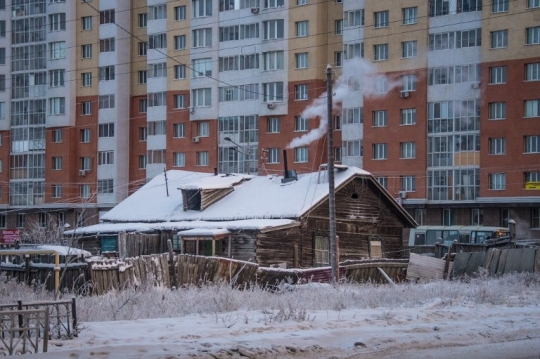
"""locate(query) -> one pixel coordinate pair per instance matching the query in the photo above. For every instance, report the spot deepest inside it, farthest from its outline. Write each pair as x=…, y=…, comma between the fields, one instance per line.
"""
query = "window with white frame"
x=57, y=163
x=380, y=85
x=408, y=116
x=532, y=144
x=202, y=8
x=56, y=191
x=142, y=48
x=532, y=108
x=57, y=22
x=354, y=51
x=180, y=13
x=408, y=83
x=157, y=41
x=497, y=181
x=84, y=191
x=532, y=4
x=179, y=101
x=86, y=23
x=201, y=97
x=535, y=217
x=499, y=6
x=380, y=118
x=180, y=42
x=408, y=183
x=477, y=217
x=532, y=71
x=202, y=158
x=531, y=177
x=57, y=106
x=497, y=110
x=106, y=16
x=300, y=124
x=497, y=146
x=156, y=99
x=338, y=58
x=353, y=115
x=2, y=115
x=301, y=60
x=85, y=135
x=273, y=60
x=497, y=75
x=142, y=19
x=273, y=91
x=157, y=12
x=203, y=129
x=381, y=19
x=157, y=70
x=274, y=29
x=179, y=130
x=57, y=135
x=56, y=78
x=273, y=3
x=302, y=28
x=85, y=163
x=2, y=55
x=142, y=161
x=202, y=38
x=202, y=67
x=179, y=159
x=499, y=39
x=408, y=150
x=273, y=125
x=86, y=51
x=301, y=2
x=179, y=72
x=410, y=15
x=155, y=157
x=409, y=49
x=86, y=108
x=353, y=18
x=21, y=220
x=106, y=129
x=533, y=35
x=143, y=105
x=338, y=27
x=273, y=155
x=107, y=45
x=105, y=186
x=352, y=148
x=105, y=157
x=142, y=76
x=106, y=73
x=106, y=101
x=143, y=133
x=380, y=151
x=301, y=92
x=86, y=79
x=383, y=181
x=301, y=155
x=380, y=52
x=156, y=128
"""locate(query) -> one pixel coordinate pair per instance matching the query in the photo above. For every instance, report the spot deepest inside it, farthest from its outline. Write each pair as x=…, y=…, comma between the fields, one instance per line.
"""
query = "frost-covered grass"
x=289, y=301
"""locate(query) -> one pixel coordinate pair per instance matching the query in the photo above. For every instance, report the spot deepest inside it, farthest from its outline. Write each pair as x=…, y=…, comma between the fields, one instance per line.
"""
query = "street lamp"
x=240, y=149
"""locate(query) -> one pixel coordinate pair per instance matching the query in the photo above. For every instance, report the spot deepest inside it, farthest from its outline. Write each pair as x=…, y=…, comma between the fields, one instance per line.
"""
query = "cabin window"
x=109, y=244
x=354, y=196
x=321, y=251
x=375, y=249
x=177, y=243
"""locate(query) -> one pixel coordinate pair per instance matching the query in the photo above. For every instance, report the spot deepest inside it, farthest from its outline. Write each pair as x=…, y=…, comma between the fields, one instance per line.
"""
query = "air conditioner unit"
x=82, y=172
x=271, y=106
x=404, y=94
x=475, y=85
x=402, y=194
x=195, y=139
x=191, y=109
x=254, y=10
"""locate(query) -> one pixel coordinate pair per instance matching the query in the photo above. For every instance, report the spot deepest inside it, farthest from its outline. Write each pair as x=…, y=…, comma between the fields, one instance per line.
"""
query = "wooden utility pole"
x=331, y=188
x=166, y=181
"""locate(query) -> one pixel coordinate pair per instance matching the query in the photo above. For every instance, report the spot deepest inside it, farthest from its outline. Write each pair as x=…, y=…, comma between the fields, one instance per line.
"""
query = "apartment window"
x=274, y=29
x=203, y=129
x=302, y=60
x=142, y=48
x=380, y=151
x=180, y=13
x=381, y=19
x=143, y=133
x=338, y=27
x=106, y=17
x=273, y=125
x=85, y=135
x=105, y=186
x=86, y=79
x=86, y=51
x=106, y=73
x=301, y=155
x=353, y=18
x=157, y=70
x=57, y=22
x=2, y=55
x=302, y=29
x=301, y=2
x=106, y=45
x=354, y=51
x=531, y=4
x=410, y=15
x=497, y=181
x=383, y=181
x=273, y=155
x=497, y=146
x=179, y=101
x=202, y=38
x=105, y=157
x=86, y=23
x=57, y=163
x=273, y=91
x=353, y=115
x=202, y=158
x=381, y=52
x=142, y=161
x=21, y=220
x=143, y=76
x=408, y=183
x=202, y=8
x=106, y=130
x=408, y=83
x=202, y=68
x=499, y=39
x=497, y=110
x=2, y=83
x=86, y=108
x=157, y=41
x=499, y=6
x=201, y=97
x=532, y=144
x=180, y=42
x=497, y=75
x=337, y=123
x=408, y=49
x=84, y=191
x=143, y=105
x=535, y=218
x=179, y=72
x=532, y=108
x=532, y=71
x=179, y=159
x=301, y=92
x=408, y=150
x=338, y=58
x=408, y=116
x=179, y=130
x=352, y=148
x=156, y=128
x=380, y=118
x=157, y=12
x=56, y=191
x=106, y=101
x=533, y=35
x=57, y=136
x=57, y=106
x=157, y=99
x=143, y=20
x=273, y=60
x=85, y=163
x=56, y=78
x=477, y=217
x=300, y=124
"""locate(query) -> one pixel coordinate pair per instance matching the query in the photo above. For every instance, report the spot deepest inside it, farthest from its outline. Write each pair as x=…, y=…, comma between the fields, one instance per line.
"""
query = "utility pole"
x=330, y=169
x=166, y=182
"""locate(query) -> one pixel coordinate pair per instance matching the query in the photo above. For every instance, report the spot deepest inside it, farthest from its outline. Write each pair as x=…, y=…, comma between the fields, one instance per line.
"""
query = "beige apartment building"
x=441, y=103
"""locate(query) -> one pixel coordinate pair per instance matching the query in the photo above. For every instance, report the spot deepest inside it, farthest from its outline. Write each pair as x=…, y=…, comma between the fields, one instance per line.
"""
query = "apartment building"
x=441, y=101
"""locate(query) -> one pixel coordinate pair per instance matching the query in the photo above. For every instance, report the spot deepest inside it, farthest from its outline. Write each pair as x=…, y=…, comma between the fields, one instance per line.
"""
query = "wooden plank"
x=460, y=264
x=502, y=262
x=488, y=258
x=513, y=260
x=424, y=267
x=537, y=261
x=527, y=260
x=476, y=260
x=494, y=264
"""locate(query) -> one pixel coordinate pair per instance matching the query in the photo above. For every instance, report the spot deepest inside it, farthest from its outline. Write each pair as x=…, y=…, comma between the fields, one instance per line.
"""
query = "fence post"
x=19, y=307
x=171, y=265
x=45, y=332
x=74, y=315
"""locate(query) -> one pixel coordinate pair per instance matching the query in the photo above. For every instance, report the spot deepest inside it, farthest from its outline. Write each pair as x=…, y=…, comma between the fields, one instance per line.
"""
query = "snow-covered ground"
x=487, y=318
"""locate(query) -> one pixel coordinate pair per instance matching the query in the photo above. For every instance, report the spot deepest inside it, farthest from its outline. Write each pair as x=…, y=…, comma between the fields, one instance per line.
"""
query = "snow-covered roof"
x=260, y=197
x=199, y=232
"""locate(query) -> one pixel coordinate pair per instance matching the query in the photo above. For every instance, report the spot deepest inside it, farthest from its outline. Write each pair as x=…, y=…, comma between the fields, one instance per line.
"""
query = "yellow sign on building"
x=532, y=185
